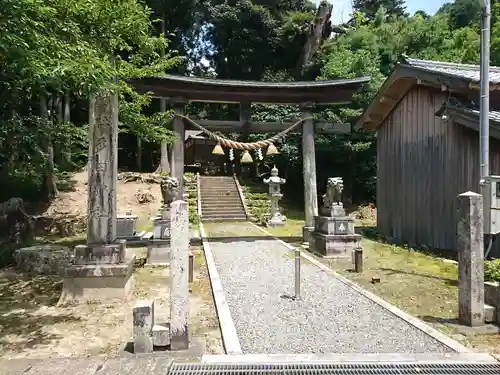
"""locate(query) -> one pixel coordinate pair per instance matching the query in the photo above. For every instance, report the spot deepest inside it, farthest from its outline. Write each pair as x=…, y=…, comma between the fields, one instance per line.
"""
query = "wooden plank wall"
x=423, y=163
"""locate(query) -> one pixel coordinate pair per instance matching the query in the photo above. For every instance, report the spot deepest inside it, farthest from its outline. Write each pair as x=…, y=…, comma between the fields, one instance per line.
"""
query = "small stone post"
x=144, y=320
x=179, y=265
x=470, y=248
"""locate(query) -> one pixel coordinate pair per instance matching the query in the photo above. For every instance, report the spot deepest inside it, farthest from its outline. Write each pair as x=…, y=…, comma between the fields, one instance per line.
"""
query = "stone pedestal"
x=161, y=228
x=276, y=221
x=126, y=227
x=307, y=233
x=99, y=273
x=158, y=252
x=334, y=237
x=159, y=246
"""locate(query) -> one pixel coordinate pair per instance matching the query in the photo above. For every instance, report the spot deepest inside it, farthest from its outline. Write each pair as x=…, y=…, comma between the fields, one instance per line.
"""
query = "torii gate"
x=180, y=90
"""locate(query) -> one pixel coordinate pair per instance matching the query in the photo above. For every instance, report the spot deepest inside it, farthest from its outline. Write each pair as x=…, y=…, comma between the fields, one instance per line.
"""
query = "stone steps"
x=218, y=195
x=221, y=209
x=220, y=199
x=225, y=212
x=219, y=218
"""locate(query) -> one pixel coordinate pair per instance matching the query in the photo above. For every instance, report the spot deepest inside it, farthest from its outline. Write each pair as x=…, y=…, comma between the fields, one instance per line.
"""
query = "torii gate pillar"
x=309, y=172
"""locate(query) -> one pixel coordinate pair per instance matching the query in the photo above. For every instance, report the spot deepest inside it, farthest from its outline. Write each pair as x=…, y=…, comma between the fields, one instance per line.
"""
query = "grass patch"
x=232, y=230
x=422, y=285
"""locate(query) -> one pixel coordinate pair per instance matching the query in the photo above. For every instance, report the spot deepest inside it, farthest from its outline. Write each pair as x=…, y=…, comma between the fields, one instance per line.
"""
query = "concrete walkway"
x=161, y=364
x=257, y=277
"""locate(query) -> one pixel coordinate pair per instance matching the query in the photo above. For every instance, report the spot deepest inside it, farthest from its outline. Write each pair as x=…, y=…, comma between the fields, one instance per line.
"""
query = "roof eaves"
x=494, y=116
x=398, y=73
x=451, y=80
x=405, y=70
x=295, y=84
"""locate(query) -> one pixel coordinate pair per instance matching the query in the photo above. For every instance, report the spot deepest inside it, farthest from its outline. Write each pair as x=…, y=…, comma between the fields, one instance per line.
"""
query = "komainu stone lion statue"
x=334, y=188
x=169, y=189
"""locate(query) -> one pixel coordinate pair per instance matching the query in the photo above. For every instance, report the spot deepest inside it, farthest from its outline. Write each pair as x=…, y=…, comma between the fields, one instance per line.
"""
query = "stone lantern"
x=275, y=182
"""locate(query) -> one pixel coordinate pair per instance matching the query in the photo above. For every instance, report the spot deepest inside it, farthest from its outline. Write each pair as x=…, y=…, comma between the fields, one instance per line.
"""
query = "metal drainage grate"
x=337, y=369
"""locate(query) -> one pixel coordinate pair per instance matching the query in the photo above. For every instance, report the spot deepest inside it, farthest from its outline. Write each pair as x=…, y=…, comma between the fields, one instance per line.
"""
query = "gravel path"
x=330, y=318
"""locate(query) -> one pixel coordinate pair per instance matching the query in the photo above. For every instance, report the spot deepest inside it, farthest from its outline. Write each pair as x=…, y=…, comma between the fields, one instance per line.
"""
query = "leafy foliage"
x=371, y=7
x=492, y=270
x=55, y=48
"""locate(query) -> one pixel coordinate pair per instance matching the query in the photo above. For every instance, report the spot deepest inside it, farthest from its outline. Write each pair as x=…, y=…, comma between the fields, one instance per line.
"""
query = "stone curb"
x=354, y=357
x=229, y=336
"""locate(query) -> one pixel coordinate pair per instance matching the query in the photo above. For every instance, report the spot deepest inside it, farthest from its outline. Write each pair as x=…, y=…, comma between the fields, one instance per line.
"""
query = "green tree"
x=371, y=7
x=55, y=48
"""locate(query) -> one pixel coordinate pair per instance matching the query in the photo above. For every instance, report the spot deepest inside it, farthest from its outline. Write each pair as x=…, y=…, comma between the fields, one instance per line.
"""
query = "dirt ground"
x=75, y=202
x=31, y=325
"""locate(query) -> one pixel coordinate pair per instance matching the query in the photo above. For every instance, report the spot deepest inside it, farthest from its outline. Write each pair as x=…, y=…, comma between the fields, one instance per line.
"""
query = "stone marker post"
x=179, y=265
x=470, y=248
x=103, y=170
x=101, y=270
x=143, y=320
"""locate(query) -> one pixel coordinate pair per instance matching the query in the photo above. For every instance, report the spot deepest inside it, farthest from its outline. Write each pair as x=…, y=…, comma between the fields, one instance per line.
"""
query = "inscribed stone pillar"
x=309, y=172
x=103, y=168
x=101, y=269
x=177, y=158
x=179, y=265
x=470, y=248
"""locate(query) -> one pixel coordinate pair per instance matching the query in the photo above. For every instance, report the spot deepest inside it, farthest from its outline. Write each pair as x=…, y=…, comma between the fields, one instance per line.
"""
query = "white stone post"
x=179, y=266
x=470, y=248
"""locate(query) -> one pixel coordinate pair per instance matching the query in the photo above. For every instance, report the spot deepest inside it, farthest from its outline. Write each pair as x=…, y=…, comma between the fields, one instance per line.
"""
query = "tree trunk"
x=138, y=155
x=59, y=116
x=11, y=139
x=49, y=179
x=67, y=107
x=320, y=29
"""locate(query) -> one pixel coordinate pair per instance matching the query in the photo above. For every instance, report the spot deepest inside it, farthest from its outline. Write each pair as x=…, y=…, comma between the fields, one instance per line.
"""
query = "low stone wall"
x=492, y=300
x=43, y=259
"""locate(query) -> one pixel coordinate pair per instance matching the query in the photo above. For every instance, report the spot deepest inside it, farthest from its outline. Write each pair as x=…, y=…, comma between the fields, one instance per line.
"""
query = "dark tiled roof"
x=409, y=72
x=470, y=72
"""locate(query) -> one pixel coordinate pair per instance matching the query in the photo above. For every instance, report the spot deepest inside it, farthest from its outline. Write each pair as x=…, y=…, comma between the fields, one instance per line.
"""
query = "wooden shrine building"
x=427, y=118
x=180, y=90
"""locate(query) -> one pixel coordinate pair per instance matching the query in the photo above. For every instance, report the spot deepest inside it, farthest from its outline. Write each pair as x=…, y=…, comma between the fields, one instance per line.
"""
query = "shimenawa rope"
x=243, y=145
